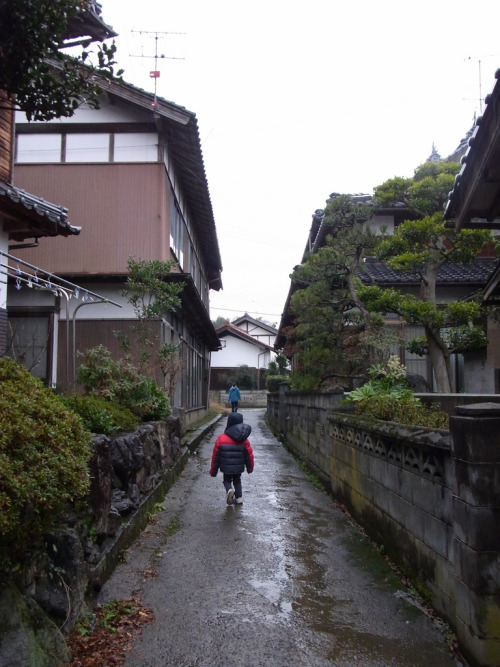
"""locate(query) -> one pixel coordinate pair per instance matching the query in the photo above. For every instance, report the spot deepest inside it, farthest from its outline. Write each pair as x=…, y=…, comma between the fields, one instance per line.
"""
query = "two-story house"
x=132, y=175
x=25, y=216
x=244, y=342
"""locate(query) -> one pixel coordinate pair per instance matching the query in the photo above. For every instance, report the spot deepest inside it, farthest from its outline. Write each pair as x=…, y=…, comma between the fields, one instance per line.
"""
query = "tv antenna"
x=155, y=73
x=479, y=59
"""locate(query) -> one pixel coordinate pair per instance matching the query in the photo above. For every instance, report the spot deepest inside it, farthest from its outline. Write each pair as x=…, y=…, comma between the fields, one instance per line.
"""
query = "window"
x=29, y=342
x=176, y=230
x=136, y=147
x=39, y=148
x=87, y=147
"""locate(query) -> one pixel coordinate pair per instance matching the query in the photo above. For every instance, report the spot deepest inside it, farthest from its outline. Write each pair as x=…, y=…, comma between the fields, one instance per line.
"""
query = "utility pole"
x=155, y=73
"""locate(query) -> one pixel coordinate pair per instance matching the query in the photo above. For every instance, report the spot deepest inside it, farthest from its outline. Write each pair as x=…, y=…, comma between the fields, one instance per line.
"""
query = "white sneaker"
x=230, y=497
x=239, y=501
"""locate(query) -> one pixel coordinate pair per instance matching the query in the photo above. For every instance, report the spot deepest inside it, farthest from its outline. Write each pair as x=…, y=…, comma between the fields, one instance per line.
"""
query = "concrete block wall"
x=249, y=398
x=431, y=497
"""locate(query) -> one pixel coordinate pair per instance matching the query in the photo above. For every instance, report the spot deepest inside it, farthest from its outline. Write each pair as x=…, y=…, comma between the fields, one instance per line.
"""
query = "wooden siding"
x=122, y=209
x=6, y=121
x=89, y=334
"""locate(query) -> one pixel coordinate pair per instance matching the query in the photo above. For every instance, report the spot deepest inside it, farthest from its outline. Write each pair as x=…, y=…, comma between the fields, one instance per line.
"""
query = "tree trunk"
x=438, y=352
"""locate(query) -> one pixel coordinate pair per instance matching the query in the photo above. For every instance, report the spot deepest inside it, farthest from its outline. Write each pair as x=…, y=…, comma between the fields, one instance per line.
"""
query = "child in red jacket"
x=231, y=455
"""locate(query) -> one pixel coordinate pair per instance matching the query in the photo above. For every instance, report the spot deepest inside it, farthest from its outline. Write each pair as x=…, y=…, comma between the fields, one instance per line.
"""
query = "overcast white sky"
x=298, y=100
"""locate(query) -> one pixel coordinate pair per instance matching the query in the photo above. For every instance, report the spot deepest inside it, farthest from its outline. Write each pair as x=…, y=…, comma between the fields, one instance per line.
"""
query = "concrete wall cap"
x=479, y=410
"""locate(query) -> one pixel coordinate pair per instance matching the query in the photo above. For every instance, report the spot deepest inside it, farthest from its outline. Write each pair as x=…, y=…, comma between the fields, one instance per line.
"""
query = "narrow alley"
x=284, y=579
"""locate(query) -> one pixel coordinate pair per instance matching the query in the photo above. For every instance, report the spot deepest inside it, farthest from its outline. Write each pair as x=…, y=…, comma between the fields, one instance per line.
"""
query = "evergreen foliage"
x=422, y=245
x=244, y=377
x=44, y=450
x=334, y=336
x=100, y=415
x=277, y=373
x=46, y=82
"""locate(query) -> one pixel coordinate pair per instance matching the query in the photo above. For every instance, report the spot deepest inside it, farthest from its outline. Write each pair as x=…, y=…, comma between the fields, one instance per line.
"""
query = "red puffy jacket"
x=232, y=454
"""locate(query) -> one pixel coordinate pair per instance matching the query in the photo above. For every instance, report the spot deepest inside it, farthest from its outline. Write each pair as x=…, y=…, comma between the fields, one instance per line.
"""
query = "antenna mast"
x=479, y=59
x=155, y=74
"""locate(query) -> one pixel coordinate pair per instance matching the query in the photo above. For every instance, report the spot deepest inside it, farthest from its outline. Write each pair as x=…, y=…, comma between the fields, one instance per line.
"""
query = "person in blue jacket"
x=233, y=397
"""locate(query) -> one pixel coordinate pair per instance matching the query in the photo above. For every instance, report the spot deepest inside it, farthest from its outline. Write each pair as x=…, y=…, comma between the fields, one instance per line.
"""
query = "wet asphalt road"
x=283, y=580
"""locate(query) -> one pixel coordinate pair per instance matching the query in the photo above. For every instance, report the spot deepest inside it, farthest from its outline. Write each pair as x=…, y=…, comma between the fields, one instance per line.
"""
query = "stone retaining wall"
x=432, y=498
x=130, y=473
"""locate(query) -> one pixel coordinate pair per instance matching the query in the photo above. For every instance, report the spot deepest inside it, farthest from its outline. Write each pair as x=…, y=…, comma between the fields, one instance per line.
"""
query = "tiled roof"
x=195, y=312
x=375, y=272
x=477, y=186
x=89, y=23
x=32, y=215
x=180, y=127
x=228, y=329
x=246, y=318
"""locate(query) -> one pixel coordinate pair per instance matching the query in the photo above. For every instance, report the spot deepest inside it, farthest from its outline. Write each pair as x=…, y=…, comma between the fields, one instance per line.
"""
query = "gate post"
x=475, y=451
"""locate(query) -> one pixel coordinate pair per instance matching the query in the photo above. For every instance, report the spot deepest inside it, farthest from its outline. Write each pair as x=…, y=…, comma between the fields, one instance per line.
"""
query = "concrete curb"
x=193, y=439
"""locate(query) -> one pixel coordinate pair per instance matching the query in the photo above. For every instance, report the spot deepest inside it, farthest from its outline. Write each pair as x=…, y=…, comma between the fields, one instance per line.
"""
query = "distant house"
x=244, y=342
x=258, y=329
x=133, y=177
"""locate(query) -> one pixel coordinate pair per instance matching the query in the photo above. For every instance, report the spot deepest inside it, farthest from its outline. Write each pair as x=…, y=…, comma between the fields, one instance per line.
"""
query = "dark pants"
x=234, y=406
x=236, y=481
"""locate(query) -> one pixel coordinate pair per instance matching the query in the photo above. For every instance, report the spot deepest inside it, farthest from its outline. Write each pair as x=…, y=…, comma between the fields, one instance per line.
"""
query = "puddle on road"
x=306, y=589
x=325, y=604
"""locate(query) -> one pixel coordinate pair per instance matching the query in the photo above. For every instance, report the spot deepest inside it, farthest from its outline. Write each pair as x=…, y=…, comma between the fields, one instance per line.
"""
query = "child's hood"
x=238, y=432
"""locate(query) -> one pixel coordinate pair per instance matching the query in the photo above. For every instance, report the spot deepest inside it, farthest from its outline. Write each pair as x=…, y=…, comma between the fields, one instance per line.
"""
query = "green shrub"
x=387, y=396
x=100, y=415
x=407, y=410
x=103, y=377
x=44, y=450
x=147, y=400
x=273, y=382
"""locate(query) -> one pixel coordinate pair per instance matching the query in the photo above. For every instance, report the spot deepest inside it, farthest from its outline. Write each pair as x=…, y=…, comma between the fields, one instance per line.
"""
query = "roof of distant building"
x=434, y=156
x=260, y=323
x=88, y=23
x=375, y=272
x=228, y=329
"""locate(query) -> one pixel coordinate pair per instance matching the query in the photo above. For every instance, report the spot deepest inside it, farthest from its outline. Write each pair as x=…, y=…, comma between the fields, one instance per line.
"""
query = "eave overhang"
x=192, y=308
x=231, y=330
x=246, y=318
x=194, y=311
x=28, y=216
x=474, y=201
x=88, y=24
